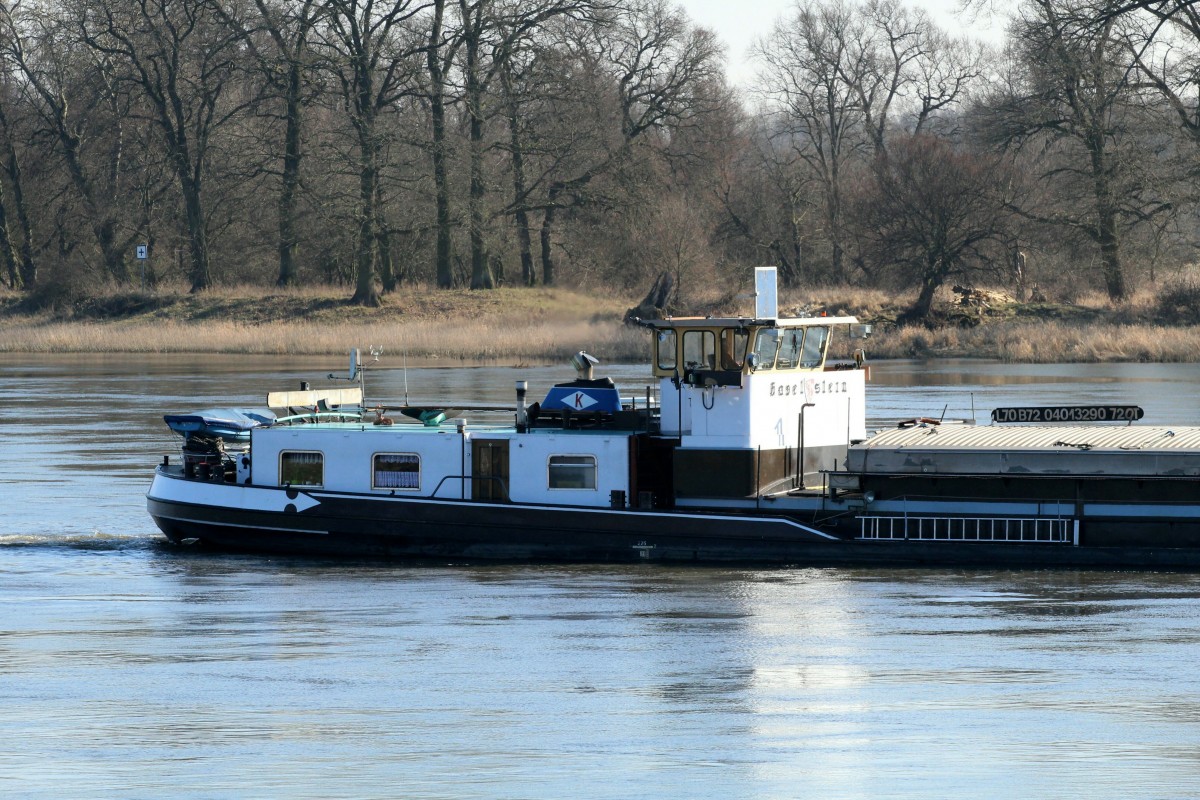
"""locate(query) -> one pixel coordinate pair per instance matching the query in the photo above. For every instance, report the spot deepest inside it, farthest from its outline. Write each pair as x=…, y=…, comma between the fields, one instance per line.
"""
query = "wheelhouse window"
x=699, y=350
x=572, y=472
x=766, y=345
x=665, y=344
x=814, y=347
x=734, y=342
x=301, y=468
x=789, y=348
x=396, y=471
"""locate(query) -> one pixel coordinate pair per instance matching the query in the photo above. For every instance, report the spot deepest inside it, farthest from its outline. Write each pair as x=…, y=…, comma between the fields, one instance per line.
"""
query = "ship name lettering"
x=819, y=387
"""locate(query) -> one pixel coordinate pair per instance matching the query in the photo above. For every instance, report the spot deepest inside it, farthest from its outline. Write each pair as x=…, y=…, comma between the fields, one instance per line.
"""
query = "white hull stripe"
x=227, y=495
x=224, y=524
x=232, y=497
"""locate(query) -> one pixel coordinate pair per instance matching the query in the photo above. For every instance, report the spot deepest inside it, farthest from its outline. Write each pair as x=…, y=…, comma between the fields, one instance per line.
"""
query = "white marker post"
x=141, y=256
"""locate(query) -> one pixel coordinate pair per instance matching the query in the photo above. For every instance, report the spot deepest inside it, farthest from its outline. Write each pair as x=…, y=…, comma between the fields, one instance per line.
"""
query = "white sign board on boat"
x=766, y=301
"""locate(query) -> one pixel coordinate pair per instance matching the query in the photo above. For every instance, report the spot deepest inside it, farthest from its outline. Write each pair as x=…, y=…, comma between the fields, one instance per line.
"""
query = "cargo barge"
x=751, y=448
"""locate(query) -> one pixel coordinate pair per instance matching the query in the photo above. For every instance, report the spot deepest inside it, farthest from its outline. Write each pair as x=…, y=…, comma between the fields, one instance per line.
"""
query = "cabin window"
x=789, y=348
x=301, y=469
x=572, y=472
x=396, y=471
x=765, y=347
x=699, y=350
x=814, y=347
x=666, y=349
x=733, y=347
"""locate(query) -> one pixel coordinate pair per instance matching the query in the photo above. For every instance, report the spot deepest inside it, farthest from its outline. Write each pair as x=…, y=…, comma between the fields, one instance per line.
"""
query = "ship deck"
x=1080, y=450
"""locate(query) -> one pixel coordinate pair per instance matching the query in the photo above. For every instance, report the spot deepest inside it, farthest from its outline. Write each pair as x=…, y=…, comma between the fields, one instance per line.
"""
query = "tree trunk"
x=834, y=220
x=365, y=293
x=437, y=113
x=528, y=277
x=1107, y=235
x=481, y=274
x=1110, y=257
x=102, y=224
x=524, y=241
x=197, y=235
x=387, y=269
x=290, y=180
x=28, y=270
x=924, y=303
x=7, y=251
x=547, y=228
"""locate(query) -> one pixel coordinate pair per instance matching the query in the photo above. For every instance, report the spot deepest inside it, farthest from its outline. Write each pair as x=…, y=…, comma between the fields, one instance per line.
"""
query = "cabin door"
x=489, y=470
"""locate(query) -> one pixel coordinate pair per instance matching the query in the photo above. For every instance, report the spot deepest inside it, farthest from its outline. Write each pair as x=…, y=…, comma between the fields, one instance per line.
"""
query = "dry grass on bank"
x=1043, y=342
x=533, y=325
x=470, y=339
x=542, y=325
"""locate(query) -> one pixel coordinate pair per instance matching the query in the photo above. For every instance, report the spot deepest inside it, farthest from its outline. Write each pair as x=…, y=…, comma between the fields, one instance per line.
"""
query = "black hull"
x=439, y=530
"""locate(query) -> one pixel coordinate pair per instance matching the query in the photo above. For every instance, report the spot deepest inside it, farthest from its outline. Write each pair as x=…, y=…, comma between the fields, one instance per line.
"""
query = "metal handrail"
x=965, y=529
x=503, y=484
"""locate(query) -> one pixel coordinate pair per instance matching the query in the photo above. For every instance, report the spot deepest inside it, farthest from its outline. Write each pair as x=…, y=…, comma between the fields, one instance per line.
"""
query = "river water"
x=133, y=669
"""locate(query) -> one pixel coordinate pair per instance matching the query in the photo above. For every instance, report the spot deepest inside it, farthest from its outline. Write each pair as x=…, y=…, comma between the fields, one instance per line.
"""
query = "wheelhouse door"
x=489, y=470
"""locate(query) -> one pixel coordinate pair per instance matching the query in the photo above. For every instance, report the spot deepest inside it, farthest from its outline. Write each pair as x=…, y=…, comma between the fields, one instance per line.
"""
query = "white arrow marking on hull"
x=227, y=495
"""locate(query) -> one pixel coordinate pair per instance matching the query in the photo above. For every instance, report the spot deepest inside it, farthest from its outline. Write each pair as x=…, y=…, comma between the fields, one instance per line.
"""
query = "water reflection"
x=136, y=669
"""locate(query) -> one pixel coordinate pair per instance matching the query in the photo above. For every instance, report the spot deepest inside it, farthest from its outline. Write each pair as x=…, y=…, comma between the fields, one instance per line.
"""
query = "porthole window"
x=572, y=472
x=301, y=469
x=396, y=471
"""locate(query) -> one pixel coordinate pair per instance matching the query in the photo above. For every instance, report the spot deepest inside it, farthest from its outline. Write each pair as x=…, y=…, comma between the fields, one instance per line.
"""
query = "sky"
x=738, y=24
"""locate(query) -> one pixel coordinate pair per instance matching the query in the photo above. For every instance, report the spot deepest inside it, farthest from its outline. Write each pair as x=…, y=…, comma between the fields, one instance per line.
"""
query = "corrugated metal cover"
x=1042, y=449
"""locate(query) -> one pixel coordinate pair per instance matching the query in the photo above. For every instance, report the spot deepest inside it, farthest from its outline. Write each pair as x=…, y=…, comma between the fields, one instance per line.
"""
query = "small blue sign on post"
x=141, y=252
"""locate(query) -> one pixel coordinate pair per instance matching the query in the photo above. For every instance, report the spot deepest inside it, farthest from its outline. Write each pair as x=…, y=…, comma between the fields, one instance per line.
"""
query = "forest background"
x=374, y=146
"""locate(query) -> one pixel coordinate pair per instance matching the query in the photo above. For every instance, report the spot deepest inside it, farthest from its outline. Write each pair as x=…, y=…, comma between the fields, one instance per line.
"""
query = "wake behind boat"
x=752, y=448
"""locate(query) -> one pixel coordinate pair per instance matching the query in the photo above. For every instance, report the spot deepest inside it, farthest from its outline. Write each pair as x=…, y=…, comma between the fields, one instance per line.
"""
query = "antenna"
x=357, y=369
x=375, y=352
x=404, y=362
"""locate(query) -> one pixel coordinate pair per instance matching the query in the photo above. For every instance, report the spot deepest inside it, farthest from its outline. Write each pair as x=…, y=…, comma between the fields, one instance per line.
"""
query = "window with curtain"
x=396, y=471
x=301, y=469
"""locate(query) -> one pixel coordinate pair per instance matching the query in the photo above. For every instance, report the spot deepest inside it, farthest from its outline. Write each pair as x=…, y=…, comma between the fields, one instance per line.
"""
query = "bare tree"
x=183, y=61
x=812, y=73
x=439, y=55
x=371, y=50
x=1163, y=39
x=17, y=252
x=1075, y=93
x=286, y=64
x=654, y=66
x=491, y=30
x=84, y=109
x=930, y=212
x=882, y=61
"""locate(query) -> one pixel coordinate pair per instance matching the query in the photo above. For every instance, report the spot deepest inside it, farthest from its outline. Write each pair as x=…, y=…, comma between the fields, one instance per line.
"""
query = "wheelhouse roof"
x=745, y=322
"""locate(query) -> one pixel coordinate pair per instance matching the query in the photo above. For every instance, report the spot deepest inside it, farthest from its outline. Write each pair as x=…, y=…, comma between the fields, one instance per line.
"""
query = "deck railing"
x=966, y=529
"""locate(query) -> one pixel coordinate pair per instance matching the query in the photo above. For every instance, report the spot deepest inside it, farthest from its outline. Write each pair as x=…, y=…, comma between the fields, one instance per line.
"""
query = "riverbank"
x=543, y=325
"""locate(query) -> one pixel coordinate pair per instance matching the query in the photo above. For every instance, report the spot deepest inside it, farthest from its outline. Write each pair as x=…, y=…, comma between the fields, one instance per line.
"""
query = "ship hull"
x=281, y=520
